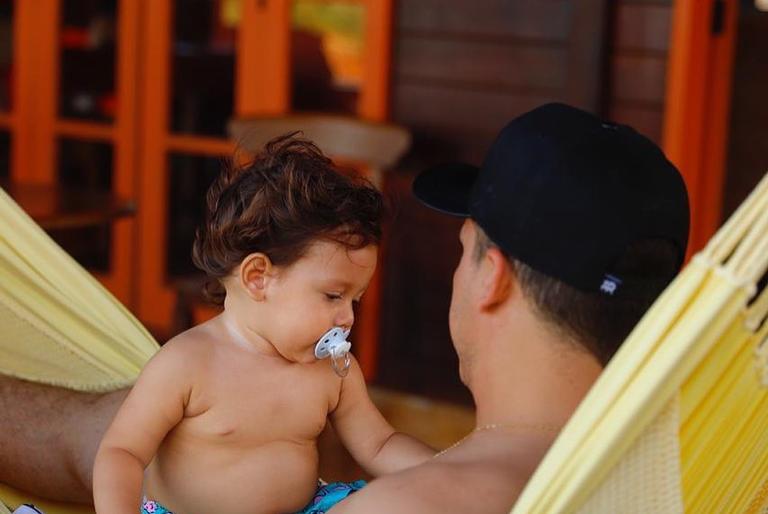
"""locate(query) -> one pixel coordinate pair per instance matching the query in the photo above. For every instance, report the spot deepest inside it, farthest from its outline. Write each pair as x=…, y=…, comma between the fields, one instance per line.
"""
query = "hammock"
x=59, y=326
x=678, y=422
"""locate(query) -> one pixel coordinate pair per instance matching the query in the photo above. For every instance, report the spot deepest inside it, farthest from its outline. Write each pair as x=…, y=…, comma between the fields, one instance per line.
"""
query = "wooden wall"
x=747, y=150
x=461, y=70
x=637, y=59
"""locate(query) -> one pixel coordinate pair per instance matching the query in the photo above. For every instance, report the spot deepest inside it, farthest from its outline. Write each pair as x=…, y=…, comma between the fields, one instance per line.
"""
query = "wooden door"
x=133, y=96
x=8, y=124
x=189, y=59
x=73, y=116
x=316, y=55
x=203, y=63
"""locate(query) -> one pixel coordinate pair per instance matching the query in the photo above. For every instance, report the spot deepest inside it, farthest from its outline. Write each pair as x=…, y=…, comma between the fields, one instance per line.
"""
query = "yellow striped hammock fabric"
x=678, y=422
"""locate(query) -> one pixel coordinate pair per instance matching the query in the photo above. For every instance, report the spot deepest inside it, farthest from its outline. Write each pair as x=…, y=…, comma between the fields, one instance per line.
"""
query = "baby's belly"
x=276, y=477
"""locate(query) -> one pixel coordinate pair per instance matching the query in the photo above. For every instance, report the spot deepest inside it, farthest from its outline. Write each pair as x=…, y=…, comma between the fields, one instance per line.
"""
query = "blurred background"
x=115, y=115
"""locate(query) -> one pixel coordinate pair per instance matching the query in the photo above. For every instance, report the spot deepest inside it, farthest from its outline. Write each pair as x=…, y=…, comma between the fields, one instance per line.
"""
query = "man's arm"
x=439, y=487
x=368, y=437
x=49, y=437
x=424, y=489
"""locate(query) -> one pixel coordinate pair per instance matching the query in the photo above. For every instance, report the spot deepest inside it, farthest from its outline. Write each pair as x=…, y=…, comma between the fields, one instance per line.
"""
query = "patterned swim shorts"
x=326, y=496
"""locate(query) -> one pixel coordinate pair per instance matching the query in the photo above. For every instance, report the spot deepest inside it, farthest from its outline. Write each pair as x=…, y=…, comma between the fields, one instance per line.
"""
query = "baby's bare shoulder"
x=191, y=347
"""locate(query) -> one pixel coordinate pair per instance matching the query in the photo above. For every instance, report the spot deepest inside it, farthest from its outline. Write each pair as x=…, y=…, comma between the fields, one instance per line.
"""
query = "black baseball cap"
x=566, y=193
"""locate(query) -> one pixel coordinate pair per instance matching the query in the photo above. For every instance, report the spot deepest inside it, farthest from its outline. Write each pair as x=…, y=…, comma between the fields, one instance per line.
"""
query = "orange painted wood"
x=7, y=121
x=84, y=130
x=22, y=58
x=33, y=29
x=200, y=145
x=202, y=313
x=263, y=84
x=46, y=39
x=368, y=324
x=154, y=299
x=373, y=104
x=35, y=142
x=54, y=207
x=697, y=107
x=715, y=145
x=262, y=88
x=121, y=279
x=367, y=329
x=374, y=95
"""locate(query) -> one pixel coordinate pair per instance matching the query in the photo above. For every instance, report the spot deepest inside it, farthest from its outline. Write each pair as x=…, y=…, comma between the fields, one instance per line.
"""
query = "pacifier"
x=334, y=344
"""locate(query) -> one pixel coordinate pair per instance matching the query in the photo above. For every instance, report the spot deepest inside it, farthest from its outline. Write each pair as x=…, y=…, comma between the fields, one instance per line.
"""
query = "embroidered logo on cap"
x=610, y=285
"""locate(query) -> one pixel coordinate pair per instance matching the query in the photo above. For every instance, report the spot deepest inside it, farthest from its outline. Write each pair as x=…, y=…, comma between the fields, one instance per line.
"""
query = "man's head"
x=590, y=218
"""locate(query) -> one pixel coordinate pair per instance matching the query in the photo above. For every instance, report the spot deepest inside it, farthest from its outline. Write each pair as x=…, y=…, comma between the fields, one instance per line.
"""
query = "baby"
x=226, y=416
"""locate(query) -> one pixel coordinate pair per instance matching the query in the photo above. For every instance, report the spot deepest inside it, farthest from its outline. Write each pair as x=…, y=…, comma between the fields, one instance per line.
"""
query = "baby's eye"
x=333, y=296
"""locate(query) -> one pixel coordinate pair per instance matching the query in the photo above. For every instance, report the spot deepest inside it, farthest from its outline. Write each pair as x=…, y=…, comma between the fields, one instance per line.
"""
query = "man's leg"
x=49, y=437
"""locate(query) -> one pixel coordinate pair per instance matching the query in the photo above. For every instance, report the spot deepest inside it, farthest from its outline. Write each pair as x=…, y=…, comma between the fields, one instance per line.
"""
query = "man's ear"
x=255, y=271
x=497, y=279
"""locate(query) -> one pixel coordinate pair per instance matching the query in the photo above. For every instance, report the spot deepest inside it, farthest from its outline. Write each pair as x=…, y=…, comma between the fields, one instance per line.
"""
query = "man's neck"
x=536, y=379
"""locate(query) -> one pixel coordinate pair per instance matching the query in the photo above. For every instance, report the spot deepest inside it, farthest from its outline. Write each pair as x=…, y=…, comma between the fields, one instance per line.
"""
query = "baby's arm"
x=371, y=440
x=153, y=407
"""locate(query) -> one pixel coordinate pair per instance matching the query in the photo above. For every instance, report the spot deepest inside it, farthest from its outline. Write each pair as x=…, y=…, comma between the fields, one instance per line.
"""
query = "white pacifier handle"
x=334, y=344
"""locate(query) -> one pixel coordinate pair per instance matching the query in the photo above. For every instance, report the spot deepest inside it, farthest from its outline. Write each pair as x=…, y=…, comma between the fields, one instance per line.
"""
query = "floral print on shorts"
x=328, y=495
x=152, y=507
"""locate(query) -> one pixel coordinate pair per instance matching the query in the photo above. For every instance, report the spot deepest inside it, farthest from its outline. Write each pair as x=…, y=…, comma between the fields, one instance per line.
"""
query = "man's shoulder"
x=439, y=487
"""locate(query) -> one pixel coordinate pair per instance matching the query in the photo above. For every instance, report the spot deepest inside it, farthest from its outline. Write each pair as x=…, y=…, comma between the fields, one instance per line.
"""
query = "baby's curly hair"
x=289, y=196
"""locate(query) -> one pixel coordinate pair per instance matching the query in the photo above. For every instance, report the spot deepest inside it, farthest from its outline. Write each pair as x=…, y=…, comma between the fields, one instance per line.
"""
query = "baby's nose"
x=346, y=318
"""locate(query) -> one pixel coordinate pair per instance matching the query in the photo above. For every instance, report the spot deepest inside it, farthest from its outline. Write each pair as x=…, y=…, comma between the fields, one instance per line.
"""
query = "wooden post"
x=697, y=106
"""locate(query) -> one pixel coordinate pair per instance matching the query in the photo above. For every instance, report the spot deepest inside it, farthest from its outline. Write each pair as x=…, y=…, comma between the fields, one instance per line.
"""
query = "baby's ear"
x=254, y=273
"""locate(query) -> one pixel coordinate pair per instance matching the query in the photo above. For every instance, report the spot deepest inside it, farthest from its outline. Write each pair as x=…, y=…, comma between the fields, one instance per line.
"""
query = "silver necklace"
x=533, y=427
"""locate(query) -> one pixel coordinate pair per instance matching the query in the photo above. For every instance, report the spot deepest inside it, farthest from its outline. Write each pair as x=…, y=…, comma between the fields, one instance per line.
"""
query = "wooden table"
x=56, y=207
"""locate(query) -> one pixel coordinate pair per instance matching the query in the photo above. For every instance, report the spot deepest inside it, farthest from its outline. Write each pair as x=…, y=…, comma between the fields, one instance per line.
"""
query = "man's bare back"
x=485, y=473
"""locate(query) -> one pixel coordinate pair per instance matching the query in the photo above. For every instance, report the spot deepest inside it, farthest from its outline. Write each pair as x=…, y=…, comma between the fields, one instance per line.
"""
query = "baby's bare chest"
x=260, y=404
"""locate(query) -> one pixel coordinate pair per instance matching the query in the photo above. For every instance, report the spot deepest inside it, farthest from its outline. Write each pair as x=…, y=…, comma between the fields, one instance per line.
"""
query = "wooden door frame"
x=375, y=92
x=264, y=71
x=697, y=107
x=34, y=91
x=262, y=87
x=154, y=298
x=36, y=125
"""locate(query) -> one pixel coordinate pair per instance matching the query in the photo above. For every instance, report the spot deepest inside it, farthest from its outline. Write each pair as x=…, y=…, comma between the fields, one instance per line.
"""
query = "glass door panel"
x=86, y=165
x=6, y=53
x=327, y=52
x=190, y=177
x=89, y=246
x=203, y=66
x=87, y=37
x=5, y=154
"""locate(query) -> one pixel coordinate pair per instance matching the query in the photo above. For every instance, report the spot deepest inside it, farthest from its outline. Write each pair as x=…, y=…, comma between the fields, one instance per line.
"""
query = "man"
x=574, y=226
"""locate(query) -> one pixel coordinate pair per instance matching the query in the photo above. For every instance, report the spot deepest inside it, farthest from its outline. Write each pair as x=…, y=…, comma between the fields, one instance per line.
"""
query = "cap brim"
x=446, y=188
